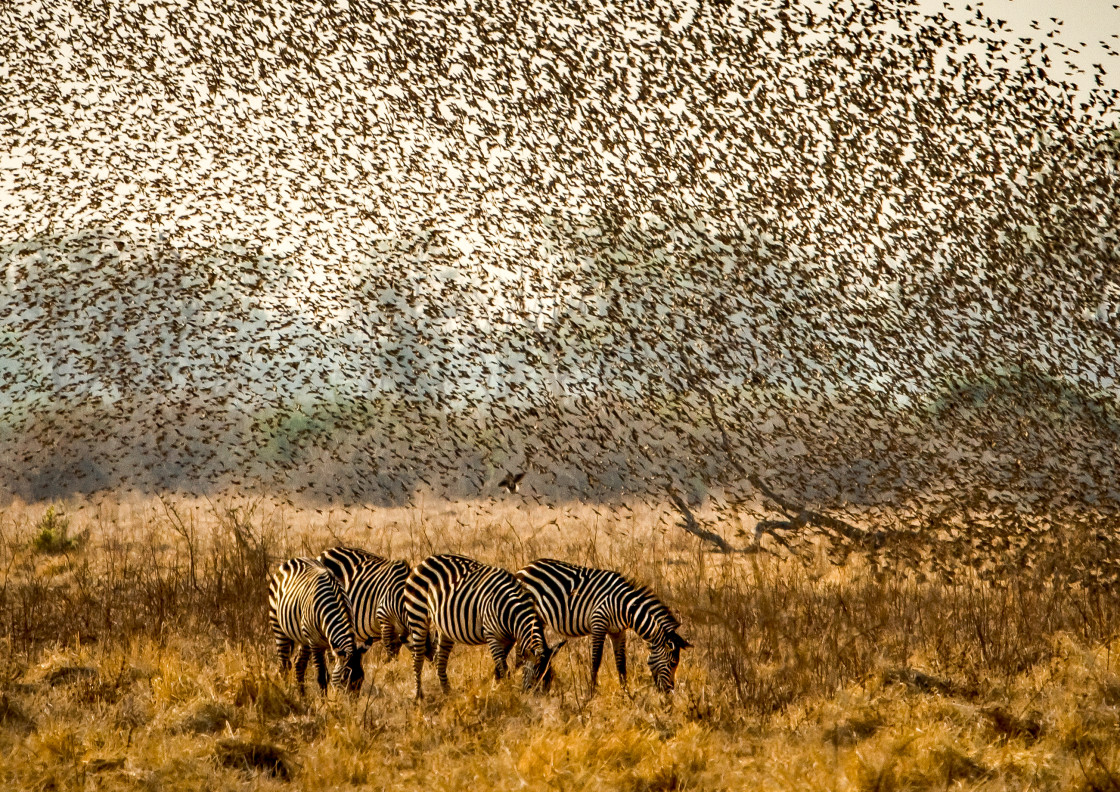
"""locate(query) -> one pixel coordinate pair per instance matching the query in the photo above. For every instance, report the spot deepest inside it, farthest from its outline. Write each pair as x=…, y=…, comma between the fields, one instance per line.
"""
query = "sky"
x=224, y=240
x=1088, y=26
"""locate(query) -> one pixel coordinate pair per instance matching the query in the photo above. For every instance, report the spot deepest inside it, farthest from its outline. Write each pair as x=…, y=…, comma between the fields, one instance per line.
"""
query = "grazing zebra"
x=577, y=601
x=375, y=587
x=460, y=599
x=308, y=608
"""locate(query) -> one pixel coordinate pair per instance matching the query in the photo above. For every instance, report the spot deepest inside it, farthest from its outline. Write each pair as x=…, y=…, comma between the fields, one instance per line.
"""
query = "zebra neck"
x=639, y=613
x=341, y=639
x=338, y=628
x=530, y=635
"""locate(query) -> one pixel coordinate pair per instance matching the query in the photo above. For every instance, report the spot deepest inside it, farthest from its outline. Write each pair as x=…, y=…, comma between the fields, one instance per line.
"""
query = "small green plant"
x=53, y=534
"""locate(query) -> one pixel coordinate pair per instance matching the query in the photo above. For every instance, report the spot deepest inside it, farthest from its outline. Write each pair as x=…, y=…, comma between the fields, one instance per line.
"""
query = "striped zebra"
x=375, y=587
x=577, y=601
x=308, y=608
x=462, y=600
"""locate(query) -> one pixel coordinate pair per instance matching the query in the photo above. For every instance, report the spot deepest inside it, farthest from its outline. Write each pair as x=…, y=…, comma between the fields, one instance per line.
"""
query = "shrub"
x=53, y=534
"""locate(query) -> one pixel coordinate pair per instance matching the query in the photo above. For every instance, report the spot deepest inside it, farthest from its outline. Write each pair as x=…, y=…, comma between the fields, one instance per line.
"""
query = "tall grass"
x=155, y=628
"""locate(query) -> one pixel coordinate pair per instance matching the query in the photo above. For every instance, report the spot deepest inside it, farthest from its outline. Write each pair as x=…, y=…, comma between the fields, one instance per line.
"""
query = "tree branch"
x=798, y=515
x=693, y=527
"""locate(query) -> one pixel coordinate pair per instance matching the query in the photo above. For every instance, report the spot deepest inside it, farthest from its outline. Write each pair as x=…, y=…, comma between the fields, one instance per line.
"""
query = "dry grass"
x=139, y=658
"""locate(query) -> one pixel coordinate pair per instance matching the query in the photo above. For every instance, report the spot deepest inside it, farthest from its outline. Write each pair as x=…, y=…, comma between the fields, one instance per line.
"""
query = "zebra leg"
x=284, y=646
x=499, y=650
x=618, y=641
x=302, y=656
x=389, y=639
x=319, y=662
x=417, y=667
x=598, y=635
x=418, y=644
x=443, y=651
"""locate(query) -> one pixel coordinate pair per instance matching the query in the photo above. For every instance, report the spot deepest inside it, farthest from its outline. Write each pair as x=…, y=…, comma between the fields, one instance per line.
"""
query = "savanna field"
x=806, y=315
x=136, y=655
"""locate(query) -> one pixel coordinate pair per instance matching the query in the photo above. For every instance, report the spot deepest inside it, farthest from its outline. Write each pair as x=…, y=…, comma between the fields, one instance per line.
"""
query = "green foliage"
x=1026, y=391
x=283, y=433
x=52, y=535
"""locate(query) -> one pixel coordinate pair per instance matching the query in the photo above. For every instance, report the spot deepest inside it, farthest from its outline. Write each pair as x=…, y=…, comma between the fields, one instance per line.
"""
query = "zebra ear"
x=682, y=643
x=557, y=647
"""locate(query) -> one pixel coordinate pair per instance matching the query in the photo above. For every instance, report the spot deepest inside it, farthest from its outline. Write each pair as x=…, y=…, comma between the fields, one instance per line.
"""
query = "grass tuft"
x=70, y=675
x=1099, y=781
x=14, y=717
x=102, y=764
x=253, y=757
x=854, y=729
x=267, y=697
x=208, y=717
x=1010, y=726
x=919, y=681
x=914, y=765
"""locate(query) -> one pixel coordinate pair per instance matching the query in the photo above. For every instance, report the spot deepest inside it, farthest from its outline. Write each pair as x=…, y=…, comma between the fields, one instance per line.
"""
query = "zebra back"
x=344, y=561
x=567, y=594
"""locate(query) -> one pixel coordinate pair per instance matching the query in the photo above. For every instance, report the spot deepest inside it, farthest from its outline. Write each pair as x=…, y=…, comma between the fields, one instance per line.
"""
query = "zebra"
x=375, y=587
x=577, y=601
x=460, y=599
x=308, y=608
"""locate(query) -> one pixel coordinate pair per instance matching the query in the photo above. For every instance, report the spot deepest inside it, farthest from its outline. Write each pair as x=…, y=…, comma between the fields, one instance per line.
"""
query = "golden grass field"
x=134, y=654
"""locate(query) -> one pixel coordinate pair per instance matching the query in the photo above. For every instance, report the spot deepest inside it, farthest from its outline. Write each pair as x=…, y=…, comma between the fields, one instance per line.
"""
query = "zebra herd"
x=346, y=599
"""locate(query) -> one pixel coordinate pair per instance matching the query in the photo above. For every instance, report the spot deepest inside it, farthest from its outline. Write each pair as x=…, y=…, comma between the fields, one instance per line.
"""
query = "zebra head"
x=536, y=673
x=347, y=673
x=664, y=657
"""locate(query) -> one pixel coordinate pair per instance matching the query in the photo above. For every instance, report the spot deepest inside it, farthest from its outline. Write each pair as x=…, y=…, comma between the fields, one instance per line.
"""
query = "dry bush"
x=138, y=580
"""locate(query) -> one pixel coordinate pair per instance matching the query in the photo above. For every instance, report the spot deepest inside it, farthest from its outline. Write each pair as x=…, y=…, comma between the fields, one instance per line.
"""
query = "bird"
x=512, y=481
x=356, y=261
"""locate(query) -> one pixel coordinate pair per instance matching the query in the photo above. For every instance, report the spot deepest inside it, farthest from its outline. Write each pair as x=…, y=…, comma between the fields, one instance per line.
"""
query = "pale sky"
x=1087, y=26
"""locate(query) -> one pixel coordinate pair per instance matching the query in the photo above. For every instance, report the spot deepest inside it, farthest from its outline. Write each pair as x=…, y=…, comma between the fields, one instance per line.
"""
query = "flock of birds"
x=326, y=613
x=348, y=252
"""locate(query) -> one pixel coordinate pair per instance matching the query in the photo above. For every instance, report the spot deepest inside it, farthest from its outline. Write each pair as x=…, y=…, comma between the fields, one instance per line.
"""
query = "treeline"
x=1018, y=439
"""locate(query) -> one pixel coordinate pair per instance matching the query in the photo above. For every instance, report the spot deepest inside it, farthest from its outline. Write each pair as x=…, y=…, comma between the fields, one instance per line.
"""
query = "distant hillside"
x=353, y=251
